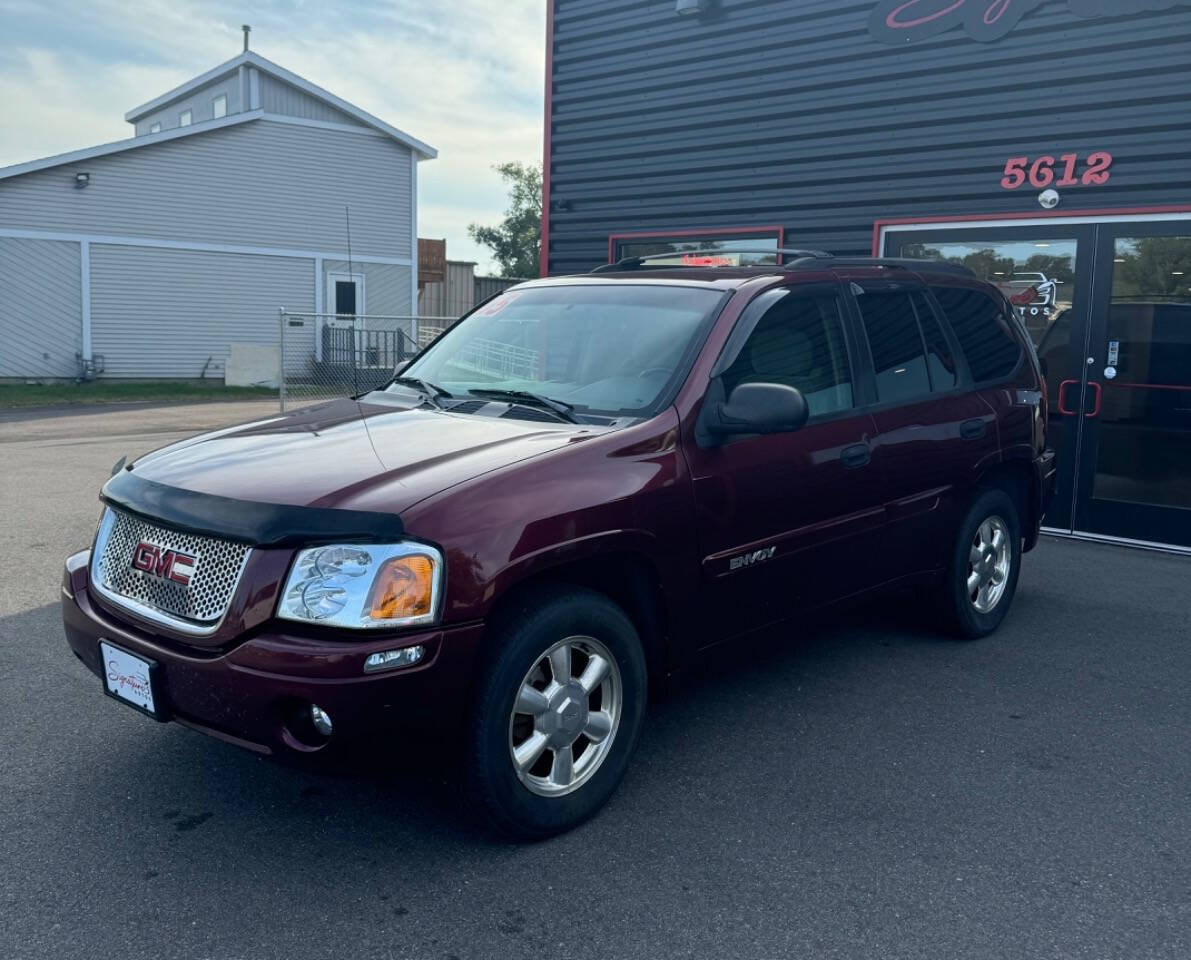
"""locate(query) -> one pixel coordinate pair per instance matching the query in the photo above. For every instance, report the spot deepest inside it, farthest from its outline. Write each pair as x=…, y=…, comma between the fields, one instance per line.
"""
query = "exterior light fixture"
x=321, y=720
x=81, y=180
x=394, y=659
x=686, y=7
x=1048, y=199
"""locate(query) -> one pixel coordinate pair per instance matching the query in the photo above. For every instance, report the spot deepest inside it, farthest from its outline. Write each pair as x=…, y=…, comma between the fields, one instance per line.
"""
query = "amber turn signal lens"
x=403, y=588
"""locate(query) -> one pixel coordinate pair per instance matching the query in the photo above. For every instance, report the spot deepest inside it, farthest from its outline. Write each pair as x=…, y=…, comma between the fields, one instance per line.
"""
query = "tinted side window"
x=896, y=346
x=799, y=342
x=983, y=332
x=939, y=358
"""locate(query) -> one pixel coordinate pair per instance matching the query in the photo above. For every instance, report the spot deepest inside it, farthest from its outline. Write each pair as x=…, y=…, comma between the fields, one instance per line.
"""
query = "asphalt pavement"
x=863, y=789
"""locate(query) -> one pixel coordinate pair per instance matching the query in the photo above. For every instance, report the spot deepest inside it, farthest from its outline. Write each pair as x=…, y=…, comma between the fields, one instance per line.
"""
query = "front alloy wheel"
x=559, y=705
x=566, y=716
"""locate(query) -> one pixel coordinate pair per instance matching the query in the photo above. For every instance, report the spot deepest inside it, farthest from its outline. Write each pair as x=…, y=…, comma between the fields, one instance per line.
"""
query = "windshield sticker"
x=496, y=306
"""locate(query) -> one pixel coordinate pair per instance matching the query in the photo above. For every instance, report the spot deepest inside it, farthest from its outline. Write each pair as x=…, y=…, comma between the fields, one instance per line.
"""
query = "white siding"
x=199, y=103
x=40, y=308
x=163, y=313
x=277, y=96
x=258, y=183
x=386, y=286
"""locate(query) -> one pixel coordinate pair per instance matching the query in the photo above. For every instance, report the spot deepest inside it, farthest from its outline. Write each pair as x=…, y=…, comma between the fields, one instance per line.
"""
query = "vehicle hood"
x=353, y=455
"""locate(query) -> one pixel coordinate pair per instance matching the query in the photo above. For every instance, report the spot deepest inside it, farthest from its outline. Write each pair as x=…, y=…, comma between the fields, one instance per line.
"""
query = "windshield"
x=609, y=351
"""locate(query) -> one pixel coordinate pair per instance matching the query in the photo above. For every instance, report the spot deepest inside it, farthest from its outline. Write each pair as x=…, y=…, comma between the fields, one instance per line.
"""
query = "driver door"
x=791, y=520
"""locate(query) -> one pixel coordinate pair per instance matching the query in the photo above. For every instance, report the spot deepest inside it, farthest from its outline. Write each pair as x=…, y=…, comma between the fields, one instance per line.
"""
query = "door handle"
x=973, y=429
x=1063, y=396
x=1092, y=385
x=856, y=455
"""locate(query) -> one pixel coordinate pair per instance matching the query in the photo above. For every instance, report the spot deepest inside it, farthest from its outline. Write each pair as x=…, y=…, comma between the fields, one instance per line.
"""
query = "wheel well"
x=1016, y=478
x=630, y=580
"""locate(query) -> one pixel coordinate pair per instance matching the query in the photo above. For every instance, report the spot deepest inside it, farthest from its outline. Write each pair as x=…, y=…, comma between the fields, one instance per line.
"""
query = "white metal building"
x=158, y=251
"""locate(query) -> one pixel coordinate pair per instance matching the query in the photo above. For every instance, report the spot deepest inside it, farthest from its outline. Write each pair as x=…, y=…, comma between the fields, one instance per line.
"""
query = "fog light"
x=394, y=659
x=321, y=719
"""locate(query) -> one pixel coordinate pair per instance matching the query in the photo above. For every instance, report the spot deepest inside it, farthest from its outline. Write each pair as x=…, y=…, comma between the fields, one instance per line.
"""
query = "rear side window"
x=982, y=330
x=944, y=373
x=896, y=346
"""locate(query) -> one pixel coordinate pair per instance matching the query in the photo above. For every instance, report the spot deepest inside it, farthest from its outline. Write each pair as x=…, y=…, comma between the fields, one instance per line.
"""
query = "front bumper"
x=250, y=693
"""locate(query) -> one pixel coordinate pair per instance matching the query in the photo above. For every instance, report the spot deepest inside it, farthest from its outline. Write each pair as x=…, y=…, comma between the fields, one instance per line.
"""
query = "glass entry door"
x=1135, y=458
x=1108, y=306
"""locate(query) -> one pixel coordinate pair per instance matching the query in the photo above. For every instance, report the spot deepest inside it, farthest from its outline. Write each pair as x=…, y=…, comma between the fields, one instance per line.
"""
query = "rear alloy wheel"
x=988, y=564
x=982, y=575
x=560, y=703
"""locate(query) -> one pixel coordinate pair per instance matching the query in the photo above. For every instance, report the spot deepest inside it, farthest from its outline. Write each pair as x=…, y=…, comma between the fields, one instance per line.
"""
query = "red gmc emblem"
x=167, y=564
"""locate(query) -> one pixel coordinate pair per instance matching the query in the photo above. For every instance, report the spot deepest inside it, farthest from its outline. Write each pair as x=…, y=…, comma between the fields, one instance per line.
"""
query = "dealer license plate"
x=129, y=678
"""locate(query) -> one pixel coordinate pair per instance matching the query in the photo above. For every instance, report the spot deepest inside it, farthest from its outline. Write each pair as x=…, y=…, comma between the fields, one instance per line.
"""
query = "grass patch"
x=106, y=391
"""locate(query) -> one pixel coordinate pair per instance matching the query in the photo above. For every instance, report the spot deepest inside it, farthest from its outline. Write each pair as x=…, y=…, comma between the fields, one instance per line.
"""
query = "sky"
x=465, y=76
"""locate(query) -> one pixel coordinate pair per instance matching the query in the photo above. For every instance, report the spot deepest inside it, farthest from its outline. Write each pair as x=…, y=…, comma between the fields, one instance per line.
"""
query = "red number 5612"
x=1043, y=171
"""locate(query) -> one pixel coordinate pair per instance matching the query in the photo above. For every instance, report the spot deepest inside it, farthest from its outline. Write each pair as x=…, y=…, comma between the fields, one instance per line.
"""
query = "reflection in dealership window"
x=1038, y=276
x=728, y=251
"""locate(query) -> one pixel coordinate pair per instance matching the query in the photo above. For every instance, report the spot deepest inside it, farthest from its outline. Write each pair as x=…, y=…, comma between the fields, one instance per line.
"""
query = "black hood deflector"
x=259, y=524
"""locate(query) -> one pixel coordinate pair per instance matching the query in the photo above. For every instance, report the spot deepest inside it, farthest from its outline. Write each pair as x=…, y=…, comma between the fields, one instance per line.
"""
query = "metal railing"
x=328, y=355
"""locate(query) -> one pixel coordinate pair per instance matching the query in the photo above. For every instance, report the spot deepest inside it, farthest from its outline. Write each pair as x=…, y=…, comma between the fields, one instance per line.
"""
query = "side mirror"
x=756, y=408
x=397, y=370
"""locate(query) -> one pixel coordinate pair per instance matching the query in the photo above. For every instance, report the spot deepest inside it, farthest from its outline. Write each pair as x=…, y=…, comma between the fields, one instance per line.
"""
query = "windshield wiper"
x=561, y=409
x=429, y=391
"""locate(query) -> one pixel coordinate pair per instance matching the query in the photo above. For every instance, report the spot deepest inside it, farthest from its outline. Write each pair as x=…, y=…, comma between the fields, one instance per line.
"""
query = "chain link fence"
x=328, y=355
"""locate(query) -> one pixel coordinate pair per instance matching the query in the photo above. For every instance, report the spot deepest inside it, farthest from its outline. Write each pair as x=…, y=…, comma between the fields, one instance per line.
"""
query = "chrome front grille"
x=196, y=606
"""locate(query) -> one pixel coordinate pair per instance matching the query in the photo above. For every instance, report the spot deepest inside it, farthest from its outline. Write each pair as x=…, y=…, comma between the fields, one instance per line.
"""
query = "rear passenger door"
x=934, y=434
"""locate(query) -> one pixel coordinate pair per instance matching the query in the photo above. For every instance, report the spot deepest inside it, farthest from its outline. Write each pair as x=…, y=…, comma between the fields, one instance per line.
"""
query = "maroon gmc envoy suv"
x=579, y=488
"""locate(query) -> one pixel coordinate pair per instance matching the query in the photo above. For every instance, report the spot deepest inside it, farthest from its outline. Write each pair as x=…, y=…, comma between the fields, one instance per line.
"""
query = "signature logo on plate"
x=167, y=564
x=129, y=683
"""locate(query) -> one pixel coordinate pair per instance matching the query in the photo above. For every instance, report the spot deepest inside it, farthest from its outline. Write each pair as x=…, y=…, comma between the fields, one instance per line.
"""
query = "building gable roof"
x=252, y=59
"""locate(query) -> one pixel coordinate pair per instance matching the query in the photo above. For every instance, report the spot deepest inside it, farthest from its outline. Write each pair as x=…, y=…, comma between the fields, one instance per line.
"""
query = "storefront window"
x=1037, y=276
x=732, y=249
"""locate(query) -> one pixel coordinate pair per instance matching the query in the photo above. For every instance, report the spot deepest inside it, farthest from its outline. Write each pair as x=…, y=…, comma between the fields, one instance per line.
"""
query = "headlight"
x=364, y=586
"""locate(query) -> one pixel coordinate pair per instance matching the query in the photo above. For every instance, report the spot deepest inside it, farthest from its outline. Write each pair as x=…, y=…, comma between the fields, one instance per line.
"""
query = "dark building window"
x=939, y=357
x=896, y=346
x=799, y=342
x=983, y=332
x=345, y=297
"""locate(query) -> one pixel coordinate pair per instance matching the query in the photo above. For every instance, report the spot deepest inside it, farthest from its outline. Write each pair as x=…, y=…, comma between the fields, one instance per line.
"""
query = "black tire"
x=518, y=641
x=960, y=612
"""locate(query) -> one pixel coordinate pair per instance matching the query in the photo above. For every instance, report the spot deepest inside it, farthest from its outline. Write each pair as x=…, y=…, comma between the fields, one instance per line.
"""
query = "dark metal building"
x=1044, y=143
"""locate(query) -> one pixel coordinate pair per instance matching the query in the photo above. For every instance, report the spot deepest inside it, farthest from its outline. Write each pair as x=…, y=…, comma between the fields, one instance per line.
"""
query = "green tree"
x=515, y=243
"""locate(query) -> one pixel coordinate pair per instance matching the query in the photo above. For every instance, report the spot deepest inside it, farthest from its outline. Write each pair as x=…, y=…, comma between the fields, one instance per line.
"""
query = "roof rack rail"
x=636, y=263
x=905, y=263
x=802, y=259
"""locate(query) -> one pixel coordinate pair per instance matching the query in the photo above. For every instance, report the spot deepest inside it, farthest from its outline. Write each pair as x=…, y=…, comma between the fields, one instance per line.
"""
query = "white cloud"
x=466, y=77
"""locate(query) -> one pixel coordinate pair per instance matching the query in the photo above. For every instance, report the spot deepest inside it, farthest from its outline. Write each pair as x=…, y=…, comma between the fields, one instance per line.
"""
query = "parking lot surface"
x=864, y=789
